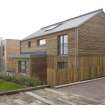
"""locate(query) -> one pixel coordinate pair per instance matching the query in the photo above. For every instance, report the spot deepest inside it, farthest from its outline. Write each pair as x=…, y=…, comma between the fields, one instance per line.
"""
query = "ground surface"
x=91, y=93
x=6, y=86
x=94, y=89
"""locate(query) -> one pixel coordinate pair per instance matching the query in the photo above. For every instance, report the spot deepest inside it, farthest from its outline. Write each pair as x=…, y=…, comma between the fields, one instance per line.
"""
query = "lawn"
x=7, y=86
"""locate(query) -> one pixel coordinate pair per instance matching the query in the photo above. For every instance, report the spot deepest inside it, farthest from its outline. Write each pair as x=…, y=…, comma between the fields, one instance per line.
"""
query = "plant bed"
x=8, y=86
x=18, y=83
x=21, y=80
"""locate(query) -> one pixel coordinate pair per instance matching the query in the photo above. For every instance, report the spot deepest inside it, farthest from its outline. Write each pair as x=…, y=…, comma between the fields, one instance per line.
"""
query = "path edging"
x=76, y=83
x=23, y=90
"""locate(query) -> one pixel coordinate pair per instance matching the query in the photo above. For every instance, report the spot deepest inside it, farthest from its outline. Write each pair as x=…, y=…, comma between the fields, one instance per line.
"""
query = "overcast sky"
x=19, y=18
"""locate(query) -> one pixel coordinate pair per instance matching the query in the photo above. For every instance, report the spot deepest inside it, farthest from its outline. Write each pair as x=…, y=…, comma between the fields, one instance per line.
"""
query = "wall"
x=69, y=74
x=92, y=36
x=86, y=55
x=91, y=48
x=54, y=75
x=86, y=58
x=51, y=46
x=1, y=57
x=11, y=46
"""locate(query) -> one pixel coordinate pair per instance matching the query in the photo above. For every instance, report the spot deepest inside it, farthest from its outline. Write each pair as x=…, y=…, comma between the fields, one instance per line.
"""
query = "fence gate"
x=39, y=68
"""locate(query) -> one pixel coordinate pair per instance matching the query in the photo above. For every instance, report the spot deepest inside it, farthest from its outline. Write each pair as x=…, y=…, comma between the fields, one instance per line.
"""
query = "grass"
x=7, y=86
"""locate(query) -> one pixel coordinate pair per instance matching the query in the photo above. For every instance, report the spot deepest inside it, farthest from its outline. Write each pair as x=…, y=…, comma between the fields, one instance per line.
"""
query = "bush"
x=23, y=80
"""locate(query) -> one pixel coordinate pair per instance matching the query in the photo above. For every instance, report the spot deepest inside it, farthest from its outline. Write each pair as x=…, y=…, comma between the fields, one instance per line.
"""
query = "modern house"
x=9, y=47
x=64, y=52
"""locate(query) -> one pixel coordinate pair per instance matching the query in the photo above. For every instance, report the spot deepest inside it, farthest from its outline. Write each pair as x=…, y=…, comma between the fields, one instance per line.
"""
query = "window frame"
x=39, y=44
x=61, y=45
x=62, y=65
x=29, y=44
x=20, y=68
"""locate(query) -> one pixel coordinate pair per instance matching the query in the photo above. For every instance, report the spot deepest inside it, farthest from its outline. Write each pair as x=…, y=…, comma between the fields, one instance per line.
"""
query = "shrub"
x=23, y=80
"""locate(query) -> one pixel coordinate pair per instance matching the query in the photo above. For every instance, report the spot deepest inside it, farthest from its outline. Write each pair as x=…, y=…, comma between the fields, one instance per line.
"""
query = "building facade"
x=1, y=58
x=68, y=51
x=9, y=47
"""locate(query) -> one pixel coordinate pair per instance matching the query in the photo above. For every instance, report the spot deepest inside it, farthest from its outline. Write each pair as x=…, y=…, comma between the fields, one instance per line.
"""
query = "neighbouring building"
x=1, y=58
x=9, y=47
x=64, y=52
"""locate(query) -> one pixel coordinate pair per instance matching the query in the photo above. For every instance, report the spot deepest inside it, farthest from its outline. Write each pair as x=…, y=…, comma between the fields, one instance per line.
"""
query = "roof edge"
x=74, y=17
x=61, y=22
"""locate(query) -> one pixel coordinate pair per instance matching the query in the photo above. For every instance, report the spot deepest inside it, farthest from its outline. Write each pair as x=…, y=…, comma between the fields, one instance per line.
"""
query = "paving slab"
x=94, y=89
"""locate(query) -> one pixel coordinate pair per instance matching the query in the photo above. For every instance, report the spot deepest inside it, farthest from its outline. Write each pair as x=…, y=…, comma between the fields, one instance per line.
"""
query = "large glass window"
x=63, y=45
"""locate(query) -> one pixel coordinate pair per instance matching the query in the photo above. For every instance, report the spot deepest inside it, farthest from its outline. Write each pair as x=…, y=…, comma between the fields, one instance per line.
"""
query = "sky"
x=20, y=18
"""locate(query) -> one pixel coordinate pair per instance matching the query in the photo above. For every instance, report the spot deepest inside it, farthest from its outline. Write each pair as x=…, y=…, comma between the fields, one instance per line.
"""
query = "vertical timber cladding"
x=86, y=57
x=51, y=70
x=92, y=48
x=91, y=66
x=56, y=76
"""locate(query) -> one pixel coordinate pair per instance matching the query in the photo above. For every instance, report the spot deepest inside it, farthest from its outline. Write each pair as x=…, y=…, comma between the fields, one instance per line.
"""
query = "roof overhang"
x=27, y=55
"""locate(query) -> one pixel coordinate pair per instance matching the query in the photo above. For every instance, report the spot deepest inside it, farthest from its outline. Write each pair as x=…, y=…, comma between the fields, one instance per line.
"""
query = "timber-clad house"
x=64, y=52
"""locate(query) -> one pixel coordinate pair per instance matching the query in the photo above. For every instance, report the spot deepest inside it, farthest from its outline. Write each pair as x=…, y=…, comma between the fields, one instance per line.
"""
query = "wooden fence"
x=79, y=68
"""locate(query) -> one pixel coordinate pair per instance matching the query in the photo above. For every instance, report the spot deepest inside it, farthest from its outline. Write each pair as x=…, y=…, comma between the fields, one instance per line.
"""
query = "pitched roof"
x=67, y=24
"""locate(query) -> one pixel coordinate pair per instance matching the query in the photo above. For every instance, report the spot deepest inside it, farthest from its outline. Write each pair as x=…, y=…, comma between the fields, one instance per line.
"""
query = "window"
x=22, y=66
x=3, y=50
x=29, y=43
x=42, y=42
x=51, y=27
x=62, y=65
x=63, y=45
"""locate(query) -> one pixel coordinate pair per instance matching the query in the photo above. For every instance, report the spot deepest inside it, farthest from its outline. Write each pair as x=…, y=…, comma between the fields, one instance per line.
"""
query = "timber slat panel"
x=89, y=67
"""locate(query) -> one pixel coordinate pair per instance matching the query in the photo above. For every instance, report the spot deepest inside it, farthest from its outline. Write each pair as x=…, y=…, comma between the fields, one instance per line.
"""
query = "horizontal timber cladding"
x=91, y=36
x=87, y=67
x=51, y=46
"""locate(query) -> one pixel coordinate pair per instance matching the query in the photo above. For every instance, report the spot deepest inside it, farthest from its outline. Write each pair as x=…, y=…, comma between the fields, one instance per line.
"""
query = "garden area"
x=8, y=86
x=9, y=83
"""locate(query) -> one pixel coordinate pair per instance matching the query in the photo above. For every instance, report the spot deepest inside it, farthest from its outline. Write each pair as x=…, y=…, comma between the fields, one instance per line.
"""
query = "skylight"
x=51, y=27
